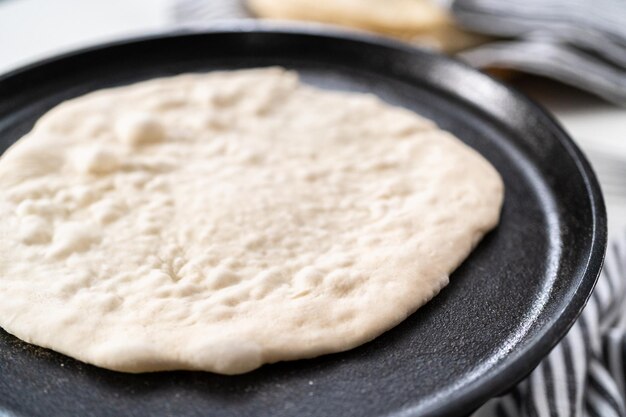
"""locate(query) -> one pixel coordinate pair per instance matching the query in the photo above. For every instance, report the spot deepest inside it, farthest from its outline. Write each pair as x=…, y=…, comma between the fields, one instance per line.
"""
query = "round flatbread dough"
x=388, y=15
x=222, y=221
x=417, y=21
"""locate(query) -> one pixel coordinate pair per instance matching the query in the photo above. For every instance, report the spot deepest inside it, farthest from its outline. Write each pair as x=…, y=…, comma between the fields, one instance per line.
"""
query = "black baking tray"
x=505, y=308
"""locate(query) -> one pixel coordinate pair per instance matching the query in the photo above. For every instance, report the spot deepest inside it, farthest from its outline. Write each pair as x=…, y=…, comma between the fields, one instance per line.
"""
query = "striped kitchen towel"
x=198, y=12
x=579, y=42
x=584, y=375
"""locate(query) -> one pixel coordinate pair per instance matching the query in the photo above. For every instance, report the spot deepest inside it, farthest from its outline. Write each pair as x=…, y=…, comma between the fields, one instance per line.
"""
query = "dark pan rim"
x=517, y=365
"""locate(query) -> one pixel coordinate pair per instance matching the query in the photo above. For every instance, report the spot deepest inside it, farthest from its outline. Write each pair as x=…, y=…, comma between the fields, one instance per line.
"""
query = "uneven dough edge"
x=234, y=356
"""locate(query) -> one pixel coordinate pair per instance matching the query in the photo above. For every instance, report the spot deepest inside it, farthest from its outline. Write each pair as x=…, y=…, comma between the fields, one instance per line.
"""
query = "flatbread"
x=222, y=221
x=448, y=38
x=417, y=21
x=388, y=15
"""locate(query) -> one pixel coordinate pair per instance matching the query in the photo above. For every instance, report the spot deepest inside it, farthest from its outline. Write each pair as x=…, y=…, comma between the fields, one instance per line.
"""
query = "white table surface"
x=33, y=29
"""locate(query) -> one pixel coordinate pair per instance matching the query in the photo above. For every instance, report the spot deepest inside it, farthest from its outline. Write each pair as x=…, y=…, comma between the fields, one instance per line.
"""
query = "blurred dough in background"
x=418, y=21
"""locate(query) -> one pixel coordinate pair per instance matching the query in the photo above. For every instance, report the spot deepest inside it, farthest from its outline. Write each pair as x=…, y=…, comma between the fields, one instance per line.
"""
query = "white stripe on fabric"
x=615, y=360
x=613, y=265
x=621, y=263
x=591, y=318
x=599, y=404
x=607, y=386
x=539, y=392
x=204, y=11
x=602, y=294
x=576, y=345
x=560, y=379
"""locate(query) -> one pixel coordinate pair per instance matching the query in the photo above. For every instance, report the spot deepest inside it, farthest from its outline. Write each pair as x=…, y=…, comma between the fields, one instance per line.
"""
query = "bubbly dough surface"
x=222, y=221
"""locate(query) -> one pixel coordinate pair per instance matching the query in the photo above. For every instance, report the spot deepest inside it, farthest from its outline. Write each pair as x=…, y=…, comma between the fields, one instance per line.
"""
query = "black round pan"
x=505, y=308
